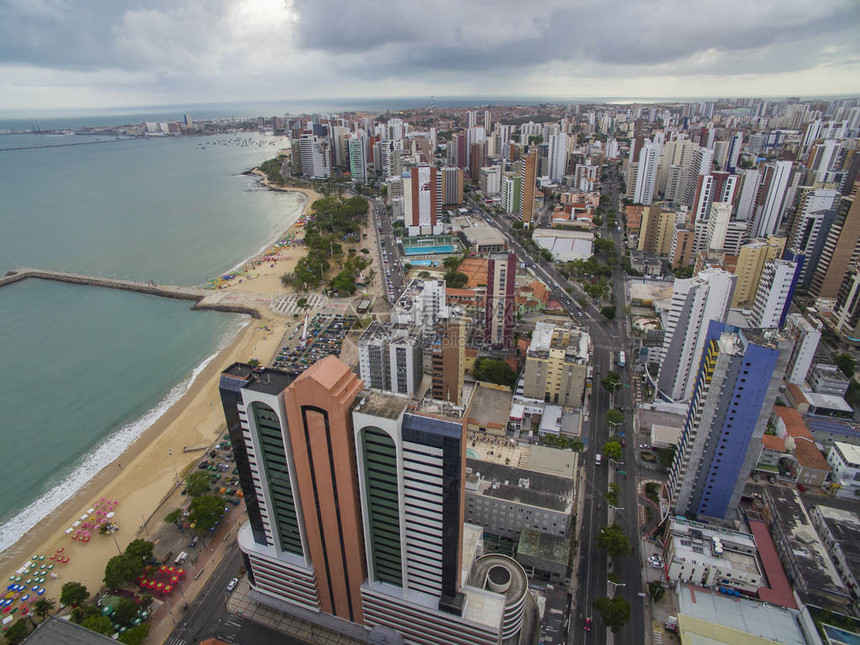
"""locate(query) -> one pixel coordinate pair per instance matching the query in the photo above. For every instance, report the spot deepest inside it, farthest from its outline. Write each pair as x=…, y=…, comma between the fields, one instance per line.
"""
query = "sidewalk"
x=166, y=615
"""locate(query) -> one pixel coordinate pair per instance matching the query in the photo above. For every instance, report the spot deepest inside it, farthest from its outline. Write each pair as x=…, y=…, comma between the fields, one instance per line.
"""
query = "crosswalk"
x=288, y=305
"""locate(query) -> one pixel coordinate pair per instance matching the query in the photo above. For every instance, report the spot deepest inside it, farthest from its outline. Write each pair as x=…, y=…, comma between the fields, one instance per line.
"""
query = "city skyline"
x=106, y=55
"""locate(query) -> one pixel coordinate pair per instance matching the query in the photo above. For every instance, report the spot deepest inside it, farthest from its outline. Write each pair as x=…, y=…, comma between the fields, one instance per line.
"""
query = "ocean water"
x=83, y=370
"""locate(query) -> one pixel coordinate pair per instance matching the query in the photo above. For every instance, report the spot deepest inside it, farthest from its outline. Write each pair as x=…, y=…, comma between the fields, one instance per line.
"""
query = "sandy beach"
x=144, y=474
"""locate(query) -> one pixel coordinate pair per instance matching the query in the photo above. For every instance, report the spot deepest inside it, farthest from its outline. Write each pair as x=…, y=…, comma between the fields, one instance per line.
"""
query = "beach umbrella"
x=25, y=597
x=11, y=587
x=168, y=588
x=40, y=592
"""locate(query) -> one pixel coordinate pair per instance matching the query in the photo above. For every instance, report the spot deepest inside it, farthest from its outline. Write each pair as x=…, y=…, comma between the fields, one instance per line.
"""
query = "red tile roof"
x=772, y=442
x=779, y=592
x=793, y=420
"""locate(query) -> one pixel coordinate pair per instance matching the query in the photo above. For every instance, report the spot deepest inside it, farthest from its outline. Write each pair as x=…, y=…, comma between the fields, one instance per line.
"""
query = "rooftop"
x=808, y=455
x=849, y=451
x=692, y=539
x=490, y=407
x=845, y=527
x=717, y=618
x=830, y=425
x=809, y=553
x=481, y=234
x=378, y=404
x=518, y=485
x=793, y=420
x=554, y=548
x=271, y=381
x=779, y=591
x=56, y=631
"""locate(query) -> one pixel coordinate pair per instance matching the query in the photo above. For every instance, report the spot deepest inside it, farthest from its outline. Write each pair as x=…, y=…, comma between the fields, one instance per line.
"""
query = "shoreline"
x=140, y=477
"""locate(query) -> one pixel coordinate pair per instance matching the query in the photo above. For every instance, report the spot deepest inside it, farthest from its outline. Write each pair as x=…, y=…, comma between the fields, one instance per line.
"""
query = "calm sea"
x=83, y=371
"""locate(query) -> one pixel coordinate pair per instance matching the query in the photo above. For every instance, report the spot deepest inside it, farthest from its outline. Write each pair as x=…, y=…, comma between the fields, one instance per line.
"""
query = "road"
x=608, y=338
x=391, y=271
x=207, y=616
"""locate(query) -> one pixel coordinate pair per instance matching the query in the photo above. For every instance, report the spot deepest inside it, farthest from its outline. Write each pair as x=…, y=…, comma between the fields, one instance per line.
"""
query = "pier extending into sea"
x=204, y=299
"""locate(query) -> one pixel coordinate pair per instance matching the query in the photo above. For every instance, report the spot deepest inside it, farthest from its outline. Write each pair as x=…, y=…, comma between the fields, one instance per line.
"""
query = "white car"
x=232, y=584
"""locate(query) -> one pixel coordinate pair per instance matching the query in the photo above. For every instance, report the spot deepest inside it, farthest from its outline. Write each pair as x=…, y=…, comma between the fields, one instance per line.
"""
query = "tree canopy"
x=125, y=611
x=140, y=549
x=615, y=612
x=198, y=482
x=612, y=450
x=44, y=607
x=73, y=593
x=494, y=371
x=135, y=636
x=206, y=511
x=846, y=364
x=99, y=624
x=122, y=569
x=17, y=632
x=614, y=417
x=612, y=381
x=613, y=540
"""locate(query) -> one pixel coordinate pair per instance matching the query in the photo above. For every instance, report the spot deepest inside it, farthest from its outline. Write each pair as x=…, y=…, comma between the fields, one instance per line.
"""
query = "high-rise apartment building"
x=422, y=199
x=644, y=181
x=390, y=357
x=775, y=290
x=315, y=156
x=695, y=303
x=805, y=335
x=359, y=511
x=452, y=186
x=557, y=156
x=751, y=261
x=491, y=177
x=749, y=189
x=718, y=226
x=700, y=165
x=448, y=359
x=358, y=159
x=846, y=314
x=841, y=249
x=771, y=199
x=511, y=185
x=501, y=278
x=737, y=382
x=813, y=217
x=528, y=177
x=556, y=364
x=656, y=230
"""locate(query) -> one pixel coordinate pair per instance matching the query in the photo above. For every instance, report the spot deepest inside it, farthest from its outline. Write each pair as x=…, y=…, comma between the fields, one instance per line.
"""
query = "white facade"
x=773, y=292
x=718, y=225
x=646, y=173
x=749, y=192
x=806, y=337
x=844, y=462
x=695, y=303
x=769, y=214
x=491, y=177
x=557, y=156
x=316, y=156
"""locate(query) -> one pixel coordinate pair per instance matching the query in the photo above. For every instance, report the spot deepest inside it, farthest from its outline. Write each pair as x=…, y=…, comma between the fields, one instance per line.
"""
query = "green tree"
x=140, y=549
x=198, y=482
x=451, y=263
x=614, y=417
x=344, y=281
x=652, y=492
x=205, y=512
x=456, y=280
x=608, y=312
x=613, y=494
x=174, y=516
x=80, y=614
x=613, y=540
x=846, y=364
x=615, y=612
x=17, y=632
x=494, y=371
x=125, y=611
x=657, y=590
x=44, y=607
x=302, y=303
x=665, y=456
x=683, y=272
x=134, y=636
x=612, y=381
x=99, y=624
x=612, y=450
x=73, y=594
x=122, y=569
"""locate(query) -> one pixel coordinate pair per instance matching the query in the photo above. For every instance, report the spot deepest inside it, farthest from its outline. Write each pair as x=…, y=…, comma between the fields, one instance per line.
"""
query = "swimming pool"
x=424, y=263
x=471, y=453
x=427, y=250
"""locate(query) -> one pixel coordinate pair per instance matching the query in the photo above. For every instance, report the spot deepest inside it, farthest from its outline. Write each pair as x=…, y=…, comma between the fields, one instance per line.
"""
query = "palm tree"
x=44, y=607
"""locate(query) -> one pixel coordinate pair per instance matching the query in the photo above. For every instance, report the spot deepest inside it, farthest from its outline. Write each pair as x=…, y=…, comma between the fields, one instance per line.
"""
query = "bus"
x=622, y=359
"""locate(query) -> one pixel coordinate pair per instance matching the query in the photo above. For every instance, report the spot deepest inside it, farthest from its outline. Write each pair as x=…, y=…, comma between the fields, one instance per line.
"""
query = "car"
x=654, y=556
x=587, y=625
x=655, y=564
x=193, y=541
x=232, y=584
x=644, y=446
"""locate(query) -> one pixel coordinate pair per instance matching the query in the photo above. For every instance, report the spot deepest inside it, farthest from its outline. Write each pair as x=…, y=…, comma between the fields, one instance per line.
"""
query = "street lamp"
x=615, y=586
x=172, y=461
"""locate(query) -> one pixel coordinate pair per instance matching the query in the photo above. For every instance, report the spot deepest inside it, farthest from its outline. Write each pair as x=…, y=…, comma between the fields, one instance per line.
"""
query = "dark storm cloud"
x=481, y=35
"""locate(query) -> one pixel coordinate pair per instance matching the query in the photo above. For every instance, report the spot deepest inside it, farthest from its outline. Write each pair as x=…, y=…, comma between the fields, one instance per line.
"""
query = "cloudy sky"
x=58, y=54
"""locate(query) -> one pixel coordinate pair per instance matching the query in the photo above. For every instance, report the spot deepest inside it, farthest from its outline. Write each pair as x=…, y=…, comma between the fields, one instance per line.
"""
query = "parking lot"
x=325, y=336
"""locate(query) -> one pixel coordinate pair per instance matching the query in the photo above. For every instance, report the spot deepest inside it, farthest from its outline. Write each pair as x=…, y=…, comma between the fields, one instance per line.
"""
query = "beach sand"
x=144, y=474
